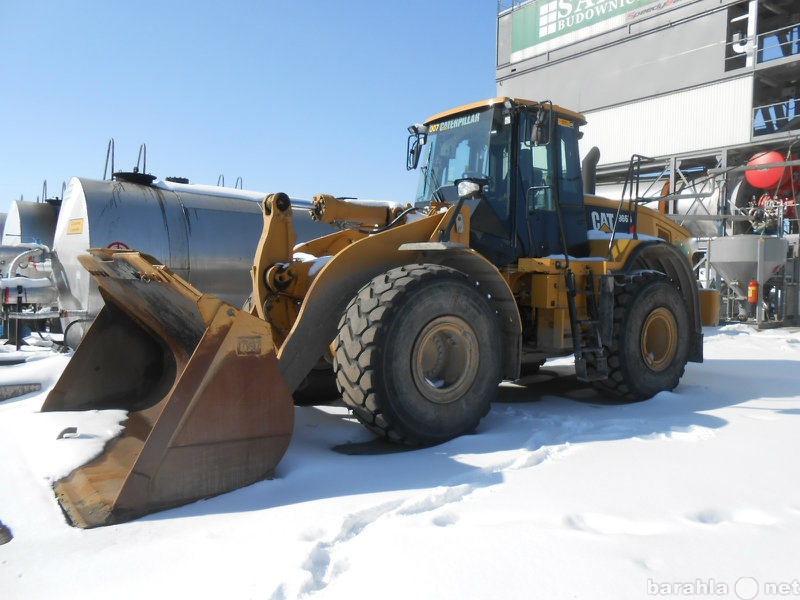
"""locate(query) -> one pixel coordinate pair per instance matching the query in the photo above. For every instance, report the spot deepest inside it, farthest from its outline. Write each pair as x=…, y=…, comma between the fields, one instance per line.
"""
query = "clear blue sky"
x=296, y=96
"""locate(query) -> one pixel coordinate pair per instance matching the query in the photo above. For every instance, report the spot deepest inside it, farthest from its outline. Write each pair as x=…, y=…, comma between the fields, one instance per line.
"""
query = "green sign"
x=542, y=21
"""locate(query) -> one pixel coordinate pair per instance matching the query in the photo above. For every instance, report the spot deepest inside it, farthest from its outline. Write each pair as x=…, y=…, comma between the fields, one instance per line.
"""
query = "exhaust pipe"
x=589, y=170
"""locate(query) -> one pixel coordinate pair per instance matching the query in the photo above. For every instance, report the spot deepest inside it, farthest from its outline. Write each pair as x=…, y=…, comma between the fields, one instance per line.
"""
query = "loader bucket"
x=209, y=410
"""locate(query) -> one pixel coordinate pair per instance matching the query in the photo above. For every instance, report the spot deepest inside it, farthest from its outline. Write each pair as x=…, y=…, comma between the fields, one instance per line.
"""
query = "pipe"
x=38, y=250
x=589, y=170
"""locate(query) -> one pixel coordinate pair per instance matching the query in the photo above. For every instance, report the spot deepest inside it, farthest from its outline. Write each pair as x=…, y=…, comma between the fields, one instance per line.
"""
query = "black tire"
x=530, y=367
x=318, y=388
x=418, y=355
x=650, y=342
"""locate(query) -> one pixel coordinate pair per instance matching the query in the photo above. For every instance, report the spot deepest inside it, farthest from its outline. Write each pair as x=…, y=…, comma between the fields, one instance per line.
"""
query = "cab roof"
x=565, y=112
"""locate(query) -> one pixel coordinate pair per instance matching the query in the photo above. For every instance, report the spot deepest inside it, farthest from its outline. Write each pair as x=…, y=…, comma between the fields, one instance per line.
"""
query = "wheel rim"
x=659, y=342
x=445, y=359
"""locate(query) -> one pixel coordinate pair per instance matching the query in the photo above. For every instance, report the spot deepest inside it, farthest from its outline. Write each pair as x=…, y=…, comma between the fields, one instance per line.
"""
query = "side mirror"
x=413, y=152
x=540, y=132
x=418, y=135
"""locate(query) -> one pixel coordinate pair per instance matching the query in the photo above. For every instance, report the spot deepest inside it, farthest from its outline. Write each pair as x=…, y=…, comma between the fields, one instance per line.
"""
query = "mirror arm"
x=444, y=236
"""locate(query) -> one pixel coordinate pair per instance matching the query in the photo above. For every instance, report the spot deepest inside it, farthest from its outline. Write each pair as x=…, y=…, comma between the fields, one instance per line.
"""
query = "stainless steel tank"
x=30, y=222
x=206, y=234
x=740, y=259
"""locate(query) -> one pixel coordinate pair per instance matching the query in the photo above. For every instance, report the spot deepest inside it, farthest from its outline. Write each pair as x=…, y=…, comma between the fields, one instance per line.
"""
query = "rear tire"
x=650, y=344
x=418, y=355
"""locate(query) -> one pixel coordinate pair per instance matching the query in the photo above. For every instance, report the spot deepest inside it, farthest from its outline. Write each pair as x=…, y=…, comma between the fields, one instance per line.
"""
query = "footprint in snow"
x=716, y=516
x=610, y=525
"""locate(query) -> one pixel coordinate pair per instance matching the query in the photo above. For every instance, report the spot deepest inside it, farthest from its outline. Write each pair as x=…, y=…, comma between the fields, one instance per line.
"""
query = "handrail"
x=631, y=182
x=109, y=152
x=142, y=154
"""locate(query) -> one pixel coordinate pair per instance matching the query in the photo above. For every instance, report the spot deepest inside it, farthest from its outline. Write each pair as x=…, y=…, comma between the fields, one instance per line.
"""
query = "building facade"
x=707, y=81
x=700, y=87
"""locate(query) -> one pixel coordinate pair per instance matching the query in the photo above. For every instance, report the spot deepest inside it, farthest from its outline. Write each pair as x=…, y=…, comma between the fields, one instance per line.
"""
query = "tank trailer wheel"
x=418, y=353
x=650, y=345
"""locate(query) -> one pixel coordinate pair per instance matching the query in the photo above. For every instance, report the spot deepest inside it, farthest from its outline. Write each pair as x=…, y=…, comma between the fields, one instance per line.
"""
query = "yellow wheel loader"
x=417, y=313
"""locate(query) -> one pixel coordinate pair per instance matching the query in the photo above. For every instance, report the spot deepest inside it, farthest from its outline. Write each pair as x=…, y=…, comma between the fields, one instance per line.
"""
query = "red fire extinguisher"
x=752, y=292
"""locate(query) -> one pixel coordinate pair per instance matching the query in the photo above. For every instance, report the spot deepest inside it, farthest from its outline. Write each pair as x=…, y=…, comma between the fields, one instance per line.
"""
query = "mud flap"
x=209, y=411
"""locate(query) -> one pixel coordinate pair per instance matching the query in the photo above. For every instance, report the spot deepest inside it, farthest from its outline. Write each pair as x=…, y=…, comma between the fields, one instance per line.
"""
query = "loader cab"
x=549, y=186
x=525, y=156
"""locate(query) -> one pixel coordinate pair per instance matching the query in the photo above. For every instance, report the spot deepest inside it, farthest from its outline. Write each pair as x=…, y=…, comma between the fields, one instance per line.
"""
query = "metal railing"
x=777, y=117
x=778, y=43
x=504, y=5
x=762, y=48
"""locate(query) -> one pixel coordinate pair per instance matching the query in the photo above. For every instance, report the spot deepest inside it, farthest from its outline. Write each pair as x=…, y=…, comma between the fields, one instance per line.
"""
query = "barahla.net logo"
x=745, y=588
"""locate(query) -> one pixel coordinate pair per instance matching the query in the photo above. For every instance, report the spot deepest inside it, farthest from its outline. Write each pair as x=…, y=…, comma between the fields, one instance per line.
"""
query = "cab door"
x=551, y=183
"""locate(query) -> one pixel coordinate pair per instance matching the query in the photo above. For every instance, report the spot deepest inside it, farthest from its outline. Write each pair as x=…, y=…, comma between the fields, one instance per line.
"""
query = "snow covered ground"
x=694, y=493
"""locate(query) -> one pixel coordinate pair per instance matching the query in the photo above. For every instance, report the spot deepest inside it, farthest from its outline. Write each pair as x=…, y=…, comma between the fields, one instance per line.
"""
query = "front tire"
x=650, y=345
x=418, y=354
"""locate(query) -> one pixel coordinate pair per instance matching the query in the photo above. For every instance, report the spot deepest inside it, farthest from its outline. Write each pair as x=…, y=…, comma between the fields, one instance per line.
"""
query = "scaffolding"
x=708, y=195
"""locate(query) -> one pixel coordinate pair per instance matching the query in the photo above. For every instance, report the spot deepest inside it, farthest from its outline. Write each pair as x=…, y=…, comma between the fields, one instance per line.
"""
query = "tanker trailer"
x=28, y=293
x=207, y=234
x=27, y=237
x=30, y=223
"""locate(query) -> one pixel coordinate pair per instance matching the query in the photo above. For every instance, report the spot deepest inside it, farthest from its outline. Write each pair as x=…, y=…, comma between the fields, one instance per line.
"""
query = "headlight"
x=470, y=188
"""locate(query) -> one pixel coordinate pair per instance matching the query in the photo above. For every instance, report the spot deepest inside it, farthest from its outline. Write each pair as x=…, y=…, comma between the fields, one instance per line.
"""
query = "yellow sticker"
x=75, y=226
x=248, y=345
x=564, y=122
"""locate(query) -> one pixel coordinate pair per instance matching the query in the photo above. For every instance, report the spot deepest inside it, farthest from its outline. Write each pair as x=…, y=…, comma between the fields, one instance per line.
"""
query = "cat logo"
x=602, y=221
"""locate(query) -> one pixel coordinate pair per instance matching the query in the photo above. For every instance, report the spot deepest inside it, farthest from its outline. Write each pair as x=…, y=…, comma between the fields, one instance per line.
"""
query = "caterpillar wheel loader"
x=417, y=313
